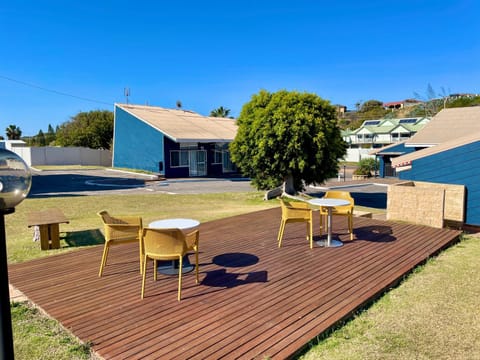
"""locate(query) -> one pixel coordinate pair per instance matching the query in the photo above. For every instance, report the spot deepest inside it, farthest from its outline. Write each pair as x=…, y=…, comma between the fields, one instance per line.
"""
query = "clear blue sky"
x=219, y=53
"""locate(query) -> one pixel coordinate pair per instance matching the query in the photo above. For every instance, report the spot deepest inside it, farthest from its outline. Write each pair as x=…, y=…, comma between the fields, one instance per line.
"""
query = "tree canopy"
x=92, y=129
x=13, y=132
x=220, y=112
x=287, y=137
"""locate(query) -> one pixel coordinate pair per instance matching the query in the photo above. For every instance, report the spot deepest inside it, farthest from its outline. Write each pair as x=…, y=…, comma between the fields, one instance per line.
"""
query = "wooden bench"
x=48, y=225
x=359, y=213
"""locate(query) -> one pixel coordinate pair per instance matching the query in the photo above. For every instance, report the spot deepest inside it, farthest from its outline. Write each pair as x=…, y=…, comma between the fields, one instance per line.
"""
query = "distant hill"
x=354, y=119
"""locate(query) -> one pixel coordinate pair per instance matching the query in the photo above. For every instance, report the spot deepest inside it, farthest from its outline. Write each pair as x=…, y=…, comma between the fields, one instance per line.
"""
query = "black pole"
x=344, y=173
x=6, y=336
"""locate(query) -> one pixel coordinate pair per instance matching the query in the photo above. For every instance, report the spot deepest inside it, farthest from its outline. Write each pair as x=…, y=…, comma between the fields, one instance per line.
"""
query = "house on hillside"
x=395, y=105
x=447, y=150
x=381, y=132
x=172, y=142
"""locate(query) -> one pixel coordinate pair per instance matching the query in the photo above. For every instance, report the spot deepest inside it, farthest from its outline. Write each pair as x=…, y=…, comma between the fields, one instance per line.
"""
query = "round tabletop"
x=329, y=202
x=174, y=224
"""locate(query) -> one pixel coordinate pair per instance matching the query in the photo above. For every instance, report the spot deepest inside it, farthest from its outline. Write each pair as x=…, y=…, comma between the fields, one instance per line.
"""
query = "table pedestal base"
x=333, y=243
x=171, y=267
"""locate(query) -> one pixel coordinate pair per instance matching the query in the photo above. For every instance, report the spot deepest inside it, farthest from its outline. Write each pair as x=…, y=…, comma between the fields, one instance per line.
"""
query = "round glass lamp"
x=15, y=180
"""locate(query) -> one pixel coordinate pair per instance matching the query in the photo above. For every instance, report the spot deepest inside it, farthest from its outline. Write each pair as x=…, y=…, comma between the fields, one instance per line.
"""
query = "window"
x=179, y=158
x=220, y=148
x=228, y=166
x=217, y=156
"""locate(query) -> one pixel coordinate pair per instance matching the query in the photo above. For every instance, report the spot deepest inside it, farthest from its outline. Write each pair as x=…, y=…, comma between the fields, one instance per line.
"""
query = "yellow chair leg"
x=311, y=234
x=321, y=224
x=180, y=278
x=280, y=233
x=350, y=225
x=141, y=255
x=144, y=275
x=196, y=266
x=155, y=270
x=104, y=259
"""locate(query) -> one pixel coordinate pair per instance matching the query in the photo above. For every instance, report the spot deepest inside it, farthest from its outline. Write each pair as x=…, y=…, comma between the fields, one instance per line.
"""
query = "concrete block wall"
x=426, y=203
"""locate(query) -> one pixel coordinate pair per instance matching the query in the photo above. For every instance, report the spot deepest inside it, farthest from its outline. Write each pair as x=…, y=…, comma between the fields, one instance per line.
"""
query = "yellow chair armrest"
x=192, y=239
x=127, y=220
x=299, y=205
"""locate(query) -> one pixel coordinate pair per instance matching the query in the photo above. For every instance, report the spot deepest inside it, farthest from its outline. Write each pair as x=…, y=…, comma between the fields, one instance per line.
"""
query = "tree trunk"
x=288, y=185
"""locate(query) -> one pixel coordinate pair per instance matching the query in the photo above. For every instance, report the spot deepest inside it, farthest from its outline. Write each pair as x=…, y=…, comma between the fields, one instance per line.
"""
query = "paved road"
x=97, y=182
x=100, y=181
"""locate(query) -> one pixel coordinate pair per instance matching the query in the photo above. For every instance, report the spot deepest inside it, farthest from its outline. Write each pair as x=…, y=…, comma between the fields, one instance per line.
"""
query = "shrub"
x=366, y=166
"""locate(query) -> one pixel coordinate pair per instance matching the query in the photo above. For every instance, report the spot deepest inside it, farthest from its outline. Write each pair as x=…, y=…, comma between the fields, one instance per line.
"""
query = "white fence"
x=355, y=155
x=49, y=155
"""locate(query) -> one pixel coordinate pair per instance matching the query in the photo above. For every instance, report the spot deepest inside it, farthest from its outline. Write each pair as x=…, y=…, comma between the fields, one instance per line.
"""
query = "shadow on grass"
x=84, y=238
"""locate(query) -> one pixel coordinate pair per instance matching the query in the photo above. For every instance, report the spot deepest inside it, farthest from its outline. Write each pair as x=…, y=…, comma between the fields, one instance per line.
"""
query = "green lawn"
x=433, y=314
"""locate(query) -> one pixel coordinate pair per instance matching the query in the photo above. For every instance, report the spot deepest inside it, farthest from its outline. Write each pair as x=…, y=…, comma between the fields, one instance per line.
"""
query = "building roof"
x=446, y=125
x=384, y=149
x=385, y=126
x=406, y=160
x=183, y=125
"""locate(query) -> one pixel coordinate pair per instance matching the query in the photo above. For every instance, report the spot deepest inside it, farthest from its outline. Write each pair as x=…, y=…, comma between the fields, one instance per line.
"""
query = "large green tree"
x=287, y=137
x=13, y=132
x=92, y=129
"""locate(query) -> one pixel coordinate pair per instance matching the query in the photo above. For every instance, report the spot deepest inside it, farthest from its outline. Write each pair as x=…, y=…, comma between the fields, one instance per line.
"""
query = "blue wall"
x=400, y=148
x=456, y=166
x=136, y=145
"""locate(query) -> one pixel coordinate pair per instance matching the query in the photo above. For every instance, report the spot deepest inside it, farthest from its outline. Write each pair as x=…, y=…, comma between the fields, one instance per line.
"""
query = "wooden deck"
x=254, y=300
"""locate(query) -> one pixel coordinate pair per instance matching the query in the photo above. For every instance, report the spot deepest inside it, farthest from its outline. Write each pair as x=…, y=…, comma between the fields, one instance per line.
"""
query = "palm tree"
x=13, y=132
x=220, y=112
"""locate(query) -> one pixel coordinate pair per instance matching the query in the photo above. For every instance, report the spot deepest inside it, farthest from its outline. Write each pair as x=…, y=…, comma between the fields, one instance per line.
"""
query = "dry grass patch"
x=434, y=314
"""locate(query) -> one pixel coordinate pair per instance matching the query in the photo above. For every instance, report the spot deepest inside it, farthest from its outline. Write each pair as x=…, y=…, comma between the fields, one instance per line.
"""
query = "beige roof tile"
x=184, y=125
x=448, y=124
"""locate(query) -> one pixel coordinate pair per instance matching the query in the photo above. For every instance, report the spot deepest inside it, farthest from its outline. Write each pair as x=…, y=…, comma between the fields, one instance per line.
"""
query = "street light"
x=15, y=182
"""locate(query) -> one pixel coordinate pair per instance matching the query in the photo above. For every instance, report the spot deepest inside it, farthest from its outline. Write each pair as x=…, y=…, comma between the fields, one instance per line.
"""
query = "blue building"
x=385, y=155
x=447, y=150
x=172, y=142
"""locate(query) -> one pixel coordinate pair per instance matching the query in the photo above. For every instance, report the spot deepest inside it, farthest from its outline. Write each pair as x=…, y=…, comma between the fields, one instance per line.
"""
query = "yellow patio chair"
x=295, y=211
x=346, y=210
x=120, y=230
x=168, y=244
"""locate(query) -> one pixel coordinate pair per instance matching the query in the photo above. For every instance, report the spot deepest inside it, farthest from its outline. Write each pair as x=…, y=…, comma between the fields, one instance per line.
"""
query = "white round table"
x=178, y=223
x=329, y=203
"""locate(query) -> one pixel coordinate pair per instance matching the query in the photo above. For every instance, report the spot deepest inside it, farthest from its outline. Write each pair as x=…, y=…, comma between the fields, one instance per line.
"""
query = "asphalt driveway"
x=50, y=183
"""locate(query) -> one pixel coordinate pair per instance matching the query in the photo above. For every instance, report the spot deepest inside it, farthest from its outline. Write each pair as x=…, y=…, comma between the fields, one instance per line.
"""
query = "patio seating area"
x=254, y=300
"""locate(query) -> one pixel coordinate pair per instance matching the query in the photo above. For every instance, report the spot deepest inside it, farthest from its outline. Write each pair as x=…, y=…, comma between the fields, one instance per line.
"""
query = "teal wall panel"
x=137, y=145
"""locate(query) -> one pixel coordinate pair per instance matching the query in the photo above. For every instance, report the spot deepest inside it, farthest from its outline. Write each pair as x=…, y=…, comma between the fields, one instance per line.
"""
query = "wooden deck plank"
x=254, y=300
